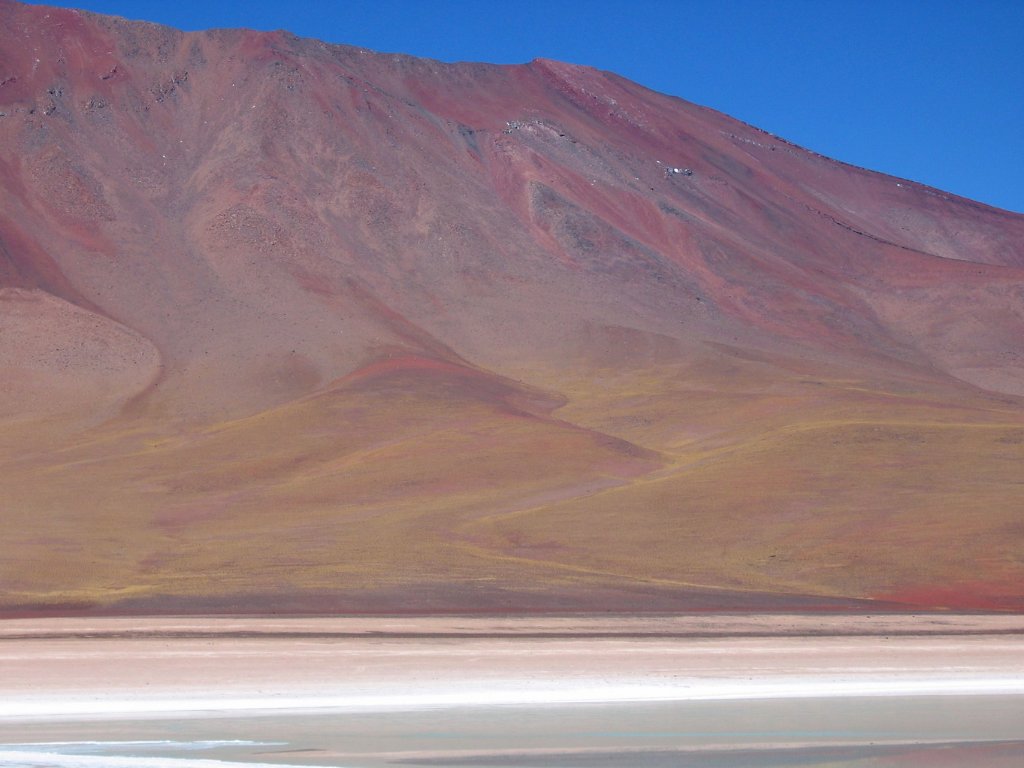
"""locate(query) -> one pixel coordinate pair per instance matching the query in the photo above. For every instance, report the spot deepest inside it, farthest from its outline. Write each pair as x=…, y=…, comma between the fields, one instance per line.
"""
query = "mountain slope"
x=291, y=326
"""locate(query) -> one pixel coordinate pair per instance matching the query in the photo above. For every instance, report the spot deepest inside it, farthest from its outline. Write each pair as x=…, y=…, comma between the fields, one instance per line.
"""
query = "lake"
x=979, y=731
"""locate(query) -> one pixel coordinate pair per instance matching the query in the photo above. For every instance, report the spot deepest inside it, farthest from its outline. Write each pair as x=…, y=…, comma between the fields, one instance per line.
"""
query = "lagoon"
x=573, y=692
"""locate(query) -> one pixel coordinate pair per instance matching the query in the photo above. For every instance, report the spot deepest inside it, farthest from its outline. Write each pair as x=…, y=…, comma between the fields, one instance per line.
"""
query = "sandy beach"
x=73, y=668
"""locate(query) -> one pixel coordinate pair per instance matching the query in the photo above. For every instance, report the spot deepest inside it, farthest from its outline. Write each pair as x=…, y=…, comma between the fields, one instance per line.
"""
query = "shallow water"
x=935, y=731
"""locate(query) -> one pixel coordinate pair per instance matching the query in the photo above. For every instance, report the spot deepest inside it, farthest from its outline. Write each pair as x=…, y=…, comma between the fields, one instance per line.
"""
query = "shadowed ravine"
x=302, y=328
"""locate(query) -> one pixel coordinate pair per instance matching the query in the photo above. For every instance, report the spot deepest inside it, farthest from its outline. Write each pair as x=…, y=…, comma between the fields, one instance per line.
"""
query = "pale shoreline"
x=682, y=625
x=186, y=667
x=90, y=708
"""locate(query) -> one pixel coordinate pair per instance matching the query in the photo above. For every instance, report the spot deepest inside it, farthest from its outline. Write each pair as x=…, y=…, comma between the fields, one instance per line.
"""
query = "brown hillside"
x=295, y=327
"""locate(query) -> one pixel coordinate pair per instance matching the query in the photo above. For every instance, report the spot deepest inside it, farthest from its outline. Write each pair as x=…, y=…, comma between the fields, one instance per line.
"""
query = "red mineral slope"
x=300, y=327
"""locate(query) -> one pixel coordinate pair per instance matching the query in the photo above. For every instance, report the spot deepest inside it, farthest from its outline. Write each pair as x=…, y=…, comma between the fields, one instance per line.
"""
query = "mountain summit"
x=296, y=327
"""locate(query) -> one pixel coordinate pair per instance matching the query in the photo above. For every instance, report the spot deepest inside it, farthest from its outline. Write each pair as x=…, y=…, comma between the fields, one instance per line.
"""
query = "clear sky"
x=929, y=90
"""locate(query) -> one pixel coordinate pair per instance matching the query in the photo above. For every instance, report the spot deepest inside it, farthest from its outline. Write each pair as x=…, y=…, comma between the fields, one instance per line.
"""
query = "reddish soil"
x=292, y=326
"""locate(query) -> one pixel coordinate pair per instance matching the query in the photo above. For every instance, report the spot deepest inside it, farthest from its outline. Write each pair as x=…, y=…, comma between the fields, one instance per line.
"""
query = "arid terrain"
x=289, y=327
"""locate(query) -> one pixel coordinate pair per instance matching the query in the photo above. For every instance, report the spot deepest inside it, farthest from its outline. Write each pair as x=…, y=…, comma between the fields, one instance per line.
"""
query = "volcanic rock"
x=296, y=327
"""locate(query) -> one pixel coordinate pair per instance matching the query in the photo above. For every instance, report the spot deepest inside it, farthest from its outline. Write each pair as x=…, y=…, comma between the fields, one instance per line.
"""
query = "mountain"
x=296, y=327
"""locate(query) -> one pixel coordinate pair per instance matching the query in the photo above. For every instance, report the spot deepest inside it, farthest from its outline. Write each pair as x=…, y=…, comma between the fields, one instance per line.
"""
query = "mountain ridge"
x=522, y=330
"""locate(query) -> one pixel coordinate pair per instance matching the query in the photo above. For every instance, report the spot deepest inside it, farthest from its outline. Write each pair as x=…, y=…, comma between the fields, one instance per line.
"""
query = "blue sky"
x=929, y=90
